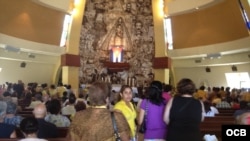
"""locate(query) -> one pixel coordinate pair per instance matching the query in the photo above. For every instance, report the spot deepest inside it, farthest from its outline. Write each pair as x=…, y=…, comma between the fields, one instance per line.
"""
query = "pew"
x=220, y=119
x=24, y=112
x=62, y=132
x=25, y=115
x=224, y=114
x=213, y=125
x=223, y=110
x=27, y=109
x=23, y=104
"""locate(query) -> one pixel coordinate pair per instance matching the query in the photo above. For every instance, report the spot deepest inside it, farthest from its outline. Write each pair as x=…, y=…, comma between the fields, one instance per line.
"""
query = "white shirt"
x=68, y=110
x=209, y=114
x=32, y=139
x=215, y=110
x=33, y=104
x=212, y=112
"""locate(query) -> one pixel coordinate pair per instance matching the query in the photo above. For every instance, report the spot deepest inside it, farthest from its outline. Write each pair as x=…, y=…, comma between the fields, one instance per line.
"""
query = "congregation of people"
x=171, y=113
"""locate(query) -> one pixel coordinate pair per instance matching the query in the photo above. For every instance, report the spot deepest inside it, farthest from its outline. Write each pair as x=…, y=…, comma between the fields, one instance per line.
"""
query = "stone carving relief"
x=124, y=23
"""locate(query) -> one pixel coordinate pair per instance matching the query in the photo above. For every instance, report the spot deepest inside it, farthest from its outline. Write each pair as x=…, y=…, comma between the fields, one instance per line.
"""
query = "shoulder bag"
x=143, y=126
x=117, y=135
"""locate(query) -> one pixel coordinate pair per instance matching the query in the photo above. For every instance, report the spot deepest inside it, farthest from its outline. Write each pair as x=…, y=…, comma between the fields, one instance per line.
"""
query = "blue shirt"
x=6, y=130
x=16, y=120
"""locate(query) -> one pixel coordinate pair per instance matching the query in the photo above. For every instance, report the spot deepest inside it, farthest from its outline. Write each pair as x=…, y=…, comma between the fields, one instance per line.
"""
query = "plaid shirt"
x=223, y=104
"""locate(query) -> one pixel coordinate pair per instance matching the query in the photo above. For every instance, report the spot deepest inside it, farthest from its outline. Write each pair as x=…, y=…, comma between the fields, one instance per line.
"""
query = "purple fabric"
x=156, y=127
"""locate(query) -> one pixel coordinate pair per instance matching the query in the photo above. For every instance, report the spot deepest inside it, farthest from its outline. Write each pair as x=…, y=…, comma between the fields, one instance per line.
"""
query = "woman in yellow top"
x=125, y=106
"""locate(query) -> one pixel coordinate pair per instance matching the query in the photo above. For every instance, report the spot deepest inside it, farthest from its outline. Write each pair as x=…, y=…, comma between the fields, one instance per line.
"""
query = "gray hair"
x=3, y=107
x=11, y=107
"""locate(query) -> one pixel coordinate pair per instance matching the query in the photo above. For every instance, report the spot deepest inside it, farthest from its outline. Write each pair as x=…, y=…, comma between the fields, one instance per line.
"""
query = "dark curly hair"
x=54, y=106
x=72, y=98
x=29, y=125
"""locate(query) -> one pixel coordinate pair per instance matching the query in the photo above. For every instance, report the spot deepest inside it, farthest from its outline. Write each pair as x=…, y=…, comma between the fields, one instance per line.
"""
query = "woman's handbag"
x=117, y=135
x=143, y=126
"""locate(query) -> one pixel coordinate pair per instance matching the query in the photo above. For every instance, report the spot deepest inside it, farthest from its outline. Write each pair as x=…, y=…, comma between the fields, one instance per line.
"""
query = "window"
x=238, y=80
x=168, y=35
x=67, y=22
x=244, y=14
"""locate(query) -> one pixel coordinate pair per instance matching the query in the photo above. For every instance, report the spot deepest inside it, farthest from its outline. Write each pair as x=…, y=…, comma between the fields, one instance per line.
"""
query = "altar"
x=115, y=67
x=115, y=87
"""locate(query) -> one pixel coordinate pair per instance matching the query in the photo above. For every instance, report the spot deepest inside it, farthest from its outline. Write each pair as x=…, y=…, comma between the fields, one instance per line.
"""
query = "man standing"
x=98, y=117
x=19, y=88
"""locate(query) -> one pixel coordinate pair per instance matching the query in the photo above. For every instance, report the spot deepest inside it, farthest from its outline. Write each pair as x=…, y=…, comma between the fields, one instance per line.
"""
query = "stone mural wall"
x=127, y=24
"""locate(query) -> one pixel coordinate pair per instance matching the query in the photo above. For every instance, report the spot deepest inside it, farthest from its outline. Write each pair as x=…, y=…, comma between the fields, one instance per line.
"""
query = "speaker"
x=208, y=69
x=23, y=65
x=234, y=68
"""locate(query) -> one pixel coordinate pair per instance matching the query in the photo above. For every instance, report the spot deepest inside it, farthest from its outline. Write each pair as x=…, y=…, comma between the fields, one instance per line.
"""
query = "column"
x=161, y=62
x=70, y=61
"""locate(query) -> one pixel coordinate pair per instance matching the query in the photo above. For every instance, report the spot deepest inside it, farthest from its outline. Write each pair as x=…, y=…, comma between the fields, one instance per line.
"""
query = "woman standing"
x=125, y=106
x=153, y=105
x=184, y=113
